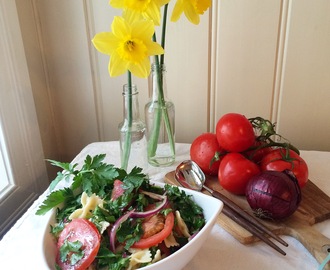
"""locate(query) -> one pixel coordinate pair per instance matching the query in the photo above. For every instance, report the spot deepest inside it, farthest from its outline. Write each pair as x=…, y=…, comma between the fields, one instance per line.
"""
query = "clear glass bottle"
x=133, y=143
x=160, y=121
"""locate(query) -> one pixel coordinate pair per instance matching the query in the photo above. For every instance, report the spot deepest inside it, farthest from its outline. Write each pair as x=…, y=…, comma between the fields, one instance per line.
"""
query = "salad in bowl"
x=105, y=218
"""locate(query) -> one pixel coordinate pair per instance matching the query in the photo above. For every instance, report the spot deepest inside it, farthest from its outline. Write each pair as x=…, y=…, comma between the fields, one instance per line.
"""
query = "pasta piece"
x=182, y=225
x=139, y=256
x=158, y=256
x=104, y=226
x=170, y=241
x=88, y=206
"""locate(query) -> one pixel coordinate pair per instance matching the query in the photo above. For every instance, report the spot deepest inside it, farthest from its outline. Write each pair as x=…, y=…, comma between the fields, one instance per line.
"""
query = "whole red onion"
x=273, y=195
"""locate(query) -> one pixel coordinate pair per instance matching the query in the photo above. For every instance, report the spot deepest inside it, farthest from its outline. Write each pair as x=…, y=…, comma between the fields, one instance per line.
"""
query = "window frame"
x=25, y=162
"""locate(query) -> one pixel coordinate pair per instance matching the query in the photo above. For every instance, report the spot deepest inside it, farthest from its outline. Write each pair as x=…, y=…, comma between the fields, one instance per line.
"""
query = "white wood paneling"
x=247, y=34
x=57, y=48
x=304, y=111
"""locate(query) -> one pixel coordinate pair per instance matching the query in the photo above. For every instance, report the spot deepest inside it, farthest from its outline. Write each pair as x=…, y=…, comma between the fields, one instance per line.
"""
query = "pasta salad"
x=110, y=219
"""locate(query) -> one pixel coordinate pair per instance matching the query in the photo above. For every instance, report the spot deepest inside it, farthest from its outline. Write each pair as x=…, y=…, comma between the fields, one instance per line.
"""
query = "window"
x=4, y=168
x=21, y=155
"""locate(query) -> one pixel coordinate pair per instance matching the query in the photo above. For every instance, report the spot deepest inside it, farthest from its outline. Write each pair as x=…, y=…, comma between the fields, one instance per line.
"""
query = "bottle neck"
x=159, y=86
x=131, y=103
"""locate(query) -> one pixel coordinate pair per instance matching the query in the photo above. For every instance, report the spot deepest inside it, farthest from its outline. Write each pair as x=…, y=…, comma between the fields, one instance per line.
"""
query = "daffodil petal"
x=191, y=14
x=153, y=12
x=132, y=16
x=143, y=29
x=104, y=42
x=120, y=27
x=161, y=3
x=177, y=11
x=203, y=5
x=155, y=49
x=191, y=8
x=117, y=66
x=116, y=3
x=142, y=69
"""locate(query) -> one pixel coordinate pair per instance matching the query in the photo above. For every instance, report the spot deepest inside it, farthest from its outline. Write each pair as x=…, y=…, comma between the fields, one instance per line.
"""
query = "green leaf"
x=93, y=162
x=191, y=213
x=112, y=261
x=54, y=199
x=99, y=180
x=64, y=165
x=129, y=234
x=68, y=170
x=56, y=230
x=60, y=176
x=134, y=180
x=72, y=248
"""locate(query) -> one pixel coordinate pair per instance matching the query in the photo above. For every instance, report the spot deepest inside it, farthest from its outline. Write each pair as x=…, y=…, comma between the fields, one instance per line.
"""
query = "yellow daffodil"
x=148, y=9
x=129, y=46
x=191, y=8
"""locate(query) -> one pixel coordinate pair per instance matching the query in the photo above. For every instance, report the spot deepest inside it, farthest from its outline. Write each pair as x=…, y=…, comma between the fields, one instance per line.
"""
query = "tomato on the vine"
x=257, y=154
x=235, y=171
x=235, y=132
x=202, y=150
x=281, y=159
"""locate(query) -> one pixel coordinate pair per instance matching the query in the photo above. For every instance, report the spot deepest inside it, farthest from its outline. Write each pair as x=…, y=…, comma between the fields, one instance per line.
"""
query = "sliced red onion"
x=134, y=214
x=115, y=227
x=152, y=211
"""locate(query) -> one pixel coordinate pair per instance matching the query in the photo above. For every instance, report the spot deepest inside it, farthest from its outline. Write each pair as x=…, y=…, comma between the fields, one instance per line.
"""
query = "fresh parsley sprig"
x=54, y=199
x=95, y=176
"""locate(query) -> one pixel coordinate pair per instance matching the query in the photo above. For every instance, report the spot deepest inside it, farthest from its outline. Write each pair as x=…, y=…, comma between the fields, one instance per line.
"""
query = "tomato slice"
x=117, y=189
x=158, y=237
x=84, y=231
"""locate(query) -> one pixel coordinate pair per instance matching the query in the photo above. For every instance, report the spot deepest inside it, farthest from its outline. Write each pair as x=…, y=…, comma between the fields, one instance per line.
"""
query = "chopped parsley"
x=71, y=251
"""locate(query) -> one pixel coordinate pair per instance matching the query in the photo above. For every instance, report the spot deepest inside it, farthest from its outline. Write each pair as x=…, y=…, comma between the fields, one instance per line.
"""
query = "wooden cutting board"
x=314, y=208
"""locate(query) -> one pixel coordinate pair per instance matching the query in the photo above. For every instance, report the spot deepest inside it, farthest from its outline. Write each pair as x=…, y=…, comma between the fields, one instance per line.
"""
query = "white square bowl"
x=176, y=261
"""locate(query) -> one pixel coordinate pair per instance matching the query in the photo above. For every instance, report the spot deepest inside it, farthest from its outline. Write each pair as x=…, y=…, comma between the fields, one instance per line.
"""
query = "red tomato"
x=257, y=155
x=202, y=151
x=84, y=231
x=280, y=160
x=235, y=171
x=234, y=132
x=158, y=237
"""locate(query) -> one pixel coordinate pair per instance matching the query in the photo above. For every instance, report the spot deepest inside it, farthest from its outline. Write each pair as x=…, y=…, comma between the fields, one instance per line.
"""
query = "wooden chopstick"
x=244, y=223
x=244, y=219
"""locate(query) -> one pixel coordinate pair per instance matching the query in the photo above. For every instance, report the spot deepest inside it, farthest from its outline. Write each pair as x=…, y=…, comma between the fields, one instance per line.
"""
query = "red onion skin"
x=273, y=195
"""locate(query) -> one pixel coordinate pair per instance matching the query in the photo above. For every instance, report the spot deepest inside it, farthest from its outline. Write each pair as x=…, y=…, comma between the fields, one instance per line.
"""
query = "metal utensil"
x=189, y=175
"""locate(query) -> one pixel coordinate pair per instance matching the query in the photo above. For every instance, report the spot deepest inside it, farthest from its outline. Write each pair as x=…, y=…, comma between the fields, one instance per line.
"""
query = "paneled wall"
x=267, y=58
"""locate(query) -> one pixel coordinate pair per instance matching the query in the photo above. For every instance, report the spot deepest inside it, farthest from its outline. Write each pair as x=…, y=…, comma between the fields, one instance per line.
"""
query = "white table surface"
x=21, y=247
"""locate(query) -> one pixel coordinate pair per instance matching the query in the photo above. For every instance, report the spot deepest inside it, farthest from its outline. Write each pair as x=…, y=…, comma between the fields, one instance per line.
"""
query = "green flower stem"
x=128, y=141
x=160, y=112
x=163, y=33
